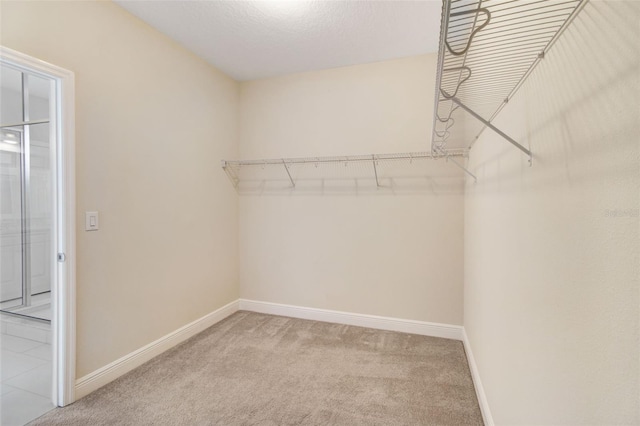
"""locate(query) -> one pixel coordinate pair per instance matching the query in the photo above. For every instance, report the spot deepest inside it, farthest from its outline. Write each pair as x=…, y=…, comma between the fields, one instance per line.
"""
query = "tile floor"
x=25, y=374
x=40, y=306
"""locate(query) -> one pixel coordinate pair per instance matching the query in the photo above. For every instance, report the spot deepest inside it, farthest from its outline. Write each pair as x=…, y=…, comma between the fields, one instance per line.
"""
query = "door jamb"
x=63, y=290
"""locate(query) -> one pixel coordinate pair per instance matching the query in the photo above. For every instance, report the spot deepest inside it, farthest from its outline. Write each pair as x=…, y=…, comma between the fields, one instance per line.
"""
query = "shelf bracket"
x=448, y=158
x=375, y=169
x=232, y=177
x=293, y=184
x=492, y=127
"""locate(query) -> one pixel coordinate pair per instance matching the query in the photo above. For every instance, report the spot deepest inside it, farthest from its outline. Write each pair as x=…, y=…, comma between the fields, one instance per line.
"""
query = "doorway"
x=37, y=274
x=26, y=200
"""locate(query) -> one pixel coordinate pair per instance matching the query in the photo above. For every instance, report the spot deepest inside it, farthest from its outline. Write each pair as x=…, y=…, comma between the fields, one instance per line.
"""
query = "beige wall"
x=152, y=123
x=552, y=252
x=384, y=252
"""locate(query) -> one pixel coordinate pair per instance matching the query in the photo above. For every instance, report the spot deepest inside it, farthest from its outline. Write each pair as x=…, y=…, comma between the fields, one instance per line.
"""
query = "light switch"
x=91, y=222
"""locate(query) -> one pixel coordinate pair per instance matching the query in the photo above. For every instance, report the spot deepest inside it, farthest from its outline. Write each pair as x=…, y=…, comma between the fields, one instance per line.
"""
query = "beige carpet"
x=255, y=369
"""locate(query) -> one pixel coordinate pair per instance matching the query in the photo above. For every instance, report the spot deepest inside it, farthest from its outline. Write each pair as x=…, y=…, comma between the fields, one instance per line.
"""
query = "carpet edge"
x=108, y=373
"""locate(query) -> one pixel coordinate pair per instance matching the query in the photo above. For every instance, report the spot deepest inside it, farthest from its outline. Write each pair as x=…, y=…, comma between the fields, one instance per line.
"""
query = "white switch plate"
x=91, y=222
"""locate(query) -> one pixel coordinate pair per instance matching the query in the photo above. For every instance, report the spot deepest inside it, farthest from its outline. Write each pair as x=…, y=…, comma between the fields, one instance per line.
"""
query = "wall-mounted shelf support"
x=492, y=127
x=460, y=166
x=293, y=184
x=375, y=169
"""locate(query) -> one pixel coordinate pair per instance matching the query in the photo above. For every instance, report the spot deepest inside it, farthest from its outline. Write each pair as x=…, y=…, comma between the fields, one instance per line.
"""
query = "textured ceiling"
x=256, y=39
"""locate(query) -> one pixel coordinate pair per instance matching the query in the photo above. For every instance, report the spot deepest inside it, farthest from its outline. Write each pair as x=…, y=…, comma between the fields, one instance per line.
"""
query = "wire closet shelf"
x=376, y=169
x=487, y=50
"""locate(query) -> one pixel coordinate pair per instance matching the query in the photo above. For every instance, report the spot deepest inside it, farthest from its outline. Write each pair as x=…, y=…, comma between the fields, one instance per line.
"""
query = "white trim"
x=477, y=383
x=95, y=380
x=63, y=290
x=361, y=320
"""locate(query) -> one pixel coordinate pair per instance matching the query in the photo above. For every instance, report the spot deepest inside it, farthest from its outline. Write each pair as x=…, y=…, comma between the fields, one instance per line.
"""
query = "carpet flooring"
x=256, y=369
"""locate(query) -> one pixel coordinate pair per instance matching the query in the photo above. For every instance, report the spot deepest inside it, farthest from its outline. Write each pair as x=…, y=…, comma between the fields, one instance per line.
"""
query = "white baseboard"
x=361, y=320
x=475, y=374
x=95, y=380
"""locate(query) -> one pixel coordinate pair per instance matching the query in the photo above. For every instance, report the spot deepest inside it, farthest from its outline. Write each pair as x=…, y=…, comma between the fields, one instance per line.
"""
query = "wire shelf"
x=487, y=49
x=368, y=171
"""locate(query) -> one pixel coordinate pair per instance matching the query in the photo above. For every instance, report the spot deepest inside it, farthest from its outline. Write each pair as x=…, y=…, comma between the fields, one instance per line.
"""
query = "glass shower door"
x=26, y=204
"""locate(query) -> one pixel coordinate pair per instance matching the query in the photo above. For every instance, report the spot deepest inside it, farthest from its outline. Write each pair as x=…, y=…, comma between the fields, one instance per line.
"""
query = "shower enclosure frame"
x=63, y=321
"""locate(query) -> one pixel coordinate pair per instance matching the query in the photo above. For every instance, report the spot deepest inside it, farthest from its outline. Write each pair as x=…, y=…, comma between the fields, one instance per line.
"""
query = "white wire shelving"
x=487, y=50
x=374, y=170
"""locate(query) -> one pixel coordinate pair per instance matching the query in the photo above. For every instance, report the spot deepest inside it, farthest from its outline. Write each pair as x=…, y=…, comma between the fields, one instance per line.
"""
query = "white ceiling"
x=256, y=39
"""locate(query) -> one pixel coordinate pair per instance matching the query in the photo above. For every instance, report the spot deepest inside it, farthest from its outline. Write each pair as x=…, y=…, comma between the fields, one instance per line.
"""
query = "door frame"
x=63, y=286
